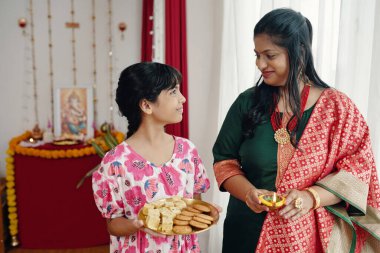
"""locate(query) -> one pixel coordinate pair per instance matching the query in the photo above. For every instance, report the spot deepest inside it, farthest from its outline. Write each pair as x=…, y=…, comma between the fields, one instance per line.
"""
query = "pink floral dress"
x=126, y=181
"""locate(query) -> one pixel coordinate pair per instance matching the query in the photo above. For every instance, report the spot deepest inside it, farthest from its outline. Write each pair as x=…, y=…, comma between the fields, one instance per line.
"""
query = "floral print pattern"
x=137, y=167
x=135, y=198
x=112, y=154
x=170, y=180
x=126, y=181
x=151, y=188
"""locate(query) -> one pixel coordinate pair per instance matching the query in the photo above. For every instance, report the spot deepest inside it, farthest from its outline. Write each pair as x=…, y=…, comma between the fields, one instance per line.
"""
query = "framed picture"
x=73, y=112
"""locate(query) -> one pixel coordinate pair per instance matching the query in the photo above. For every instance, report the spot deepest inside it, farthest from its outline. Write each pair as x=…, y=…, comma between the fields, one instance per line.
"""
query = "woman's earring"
x=306, y=79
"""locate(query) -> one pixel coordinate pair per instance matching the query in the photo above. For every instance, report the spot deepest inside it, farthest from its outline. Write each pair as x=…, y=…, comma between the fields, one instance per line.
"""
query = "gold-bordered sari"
x=335, y=153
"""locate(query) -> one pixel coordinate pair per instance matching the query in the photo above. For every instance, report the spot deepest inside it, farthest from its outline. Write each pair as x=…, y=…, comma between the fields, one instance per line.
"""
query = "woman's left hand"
x=298, y=203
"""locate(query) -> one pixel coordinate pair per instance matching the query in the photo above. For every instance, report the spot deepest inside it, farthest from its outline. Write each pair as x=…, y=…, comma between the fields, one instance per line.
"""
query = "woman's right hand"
x=253, y=202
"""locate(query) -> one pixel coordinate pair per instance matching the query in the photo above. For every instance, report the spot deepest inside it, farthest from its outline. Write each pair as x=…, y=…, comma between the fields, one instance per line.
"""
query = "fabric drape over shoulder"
x=335, y=153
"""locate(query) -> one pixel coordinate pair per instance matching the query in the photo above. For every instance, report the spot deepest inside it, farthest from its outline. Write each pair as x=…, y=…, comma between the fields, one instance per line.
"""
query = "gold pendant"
x=282, y=136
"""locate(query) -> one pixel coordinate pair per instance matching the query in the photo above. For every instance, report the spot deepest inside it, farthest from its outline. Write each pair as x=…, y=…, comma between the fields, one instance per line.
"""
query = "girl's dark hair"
x=293, y=32
x=139, y=81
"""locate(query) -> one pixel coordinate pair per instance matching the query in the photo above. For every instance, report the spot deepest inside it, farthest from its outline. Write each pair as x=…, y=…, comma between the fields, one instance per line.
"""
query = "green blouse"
x=258, y=159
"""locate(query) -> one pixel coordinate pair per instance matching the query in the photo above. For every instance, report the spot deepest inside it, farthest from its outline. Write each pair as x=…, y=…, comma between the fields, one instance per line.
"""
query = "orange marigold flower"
x=69, y=153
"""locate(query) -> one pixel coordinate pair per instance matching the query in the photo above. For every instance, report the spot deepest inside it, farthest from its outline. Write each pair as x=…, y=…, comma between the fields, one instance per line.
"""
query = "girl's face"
x=168, y=108
x=271, y=60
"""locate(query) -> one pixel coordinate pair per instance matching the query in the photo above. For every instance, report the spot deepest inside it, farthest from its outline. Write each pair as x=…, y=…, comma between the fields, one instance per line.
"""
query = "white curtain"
x=345, y=52
x=158, y=31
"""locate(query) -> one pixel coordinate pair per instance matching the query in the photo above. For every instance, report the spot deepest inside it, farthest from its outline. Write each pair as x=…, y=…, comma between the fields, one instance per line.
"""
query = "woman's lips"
x=267, y=74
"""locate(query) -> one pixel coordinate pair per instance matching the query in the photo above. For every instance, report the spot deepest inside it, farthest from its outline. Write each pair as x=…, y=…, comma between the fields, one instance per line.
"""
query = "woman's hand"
x=253, y=202
x=298, y=203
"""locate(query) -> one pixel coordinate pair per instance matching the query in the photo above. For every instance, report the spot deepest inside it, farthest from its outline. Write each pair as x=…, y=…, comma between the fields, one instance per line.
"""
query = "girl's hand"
x=253, y=202
x=153, y=233
x=298, y=203
x=121, y=226
x=137, y=224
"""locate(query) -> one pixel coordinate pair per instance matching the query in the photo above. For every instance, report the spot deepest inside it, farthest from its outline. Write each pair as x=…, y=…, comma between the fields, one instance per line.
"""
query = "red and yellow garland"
x=15, y=148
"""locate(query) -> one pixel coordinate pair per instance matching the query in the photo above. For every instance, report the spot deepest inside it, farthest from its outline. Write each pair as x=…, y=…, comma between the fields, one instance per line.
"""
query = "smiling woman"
x=293, y=136
x=271, y=60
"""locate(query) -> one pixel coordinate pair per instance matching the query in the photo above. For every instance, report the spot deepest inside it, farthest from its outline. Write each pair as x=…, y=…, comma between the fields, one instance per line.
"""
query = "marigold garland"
x=15, y=148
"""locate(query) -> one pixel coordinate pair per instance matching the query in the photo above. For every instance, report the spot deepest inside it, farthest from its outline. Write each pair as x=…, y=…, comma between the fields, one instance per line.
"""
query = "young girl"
x=150, y=164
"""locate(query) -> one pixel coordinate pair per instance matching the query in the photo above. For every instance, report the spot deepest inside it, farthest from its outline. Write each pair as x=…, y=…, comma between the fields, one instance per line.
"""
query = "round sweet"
x=183, y=217
x=202, y=220
x=180, y=222
x=204, y=216
x=193, y=210
x=187, y=213
x=198, y=224
x=181, y=230
x=202, y=208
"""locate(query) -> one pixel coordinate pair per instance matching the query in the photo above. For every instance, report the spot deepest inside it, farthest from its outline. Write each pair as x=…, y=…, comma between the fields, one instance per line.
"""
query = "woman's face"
x=271, y=60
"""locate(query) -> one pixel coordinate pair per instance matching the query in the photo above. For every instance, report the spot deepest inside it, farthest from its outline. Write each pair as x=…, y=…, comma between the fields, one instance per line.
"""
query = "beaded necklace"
x=281, y=133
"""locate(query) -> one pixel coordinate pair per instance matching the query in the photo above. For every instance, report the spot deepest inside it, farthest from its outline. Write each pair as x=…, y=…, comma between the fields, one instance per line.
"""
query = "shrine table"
x=52, y=213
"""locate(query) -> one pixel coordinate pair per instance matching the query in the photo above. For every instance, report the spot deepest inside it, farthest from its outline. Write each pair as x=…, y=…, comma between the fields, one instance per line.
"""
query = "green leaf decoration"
x=88, y=174
x=113, y=139
x=109, y=141
x=98, y=149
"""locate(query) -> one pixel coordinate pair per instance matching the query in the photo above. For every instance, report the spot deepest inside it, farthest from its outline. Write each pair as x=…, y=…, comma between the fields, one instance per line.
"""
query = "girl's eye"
x=271, y=56
x=173, y=92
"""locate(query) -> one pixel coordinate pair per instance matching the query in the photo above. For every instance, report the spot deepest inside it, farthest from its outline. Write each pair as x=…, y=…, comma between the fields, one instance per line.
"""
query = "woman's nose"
x=261, y=64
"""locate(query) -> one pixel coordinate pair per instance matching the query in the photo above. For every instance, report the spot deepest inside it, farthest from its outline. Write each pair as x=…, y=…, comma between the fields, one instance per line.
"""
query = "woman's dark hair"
x=139, y=81
x=293, y=32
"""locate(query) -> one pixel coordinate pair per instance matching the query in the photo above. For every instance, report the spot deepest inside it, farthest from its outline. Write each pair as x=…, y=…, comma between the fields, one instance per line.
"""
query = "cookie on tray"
x=181, y=230
x=202, y=208
x=198, y=224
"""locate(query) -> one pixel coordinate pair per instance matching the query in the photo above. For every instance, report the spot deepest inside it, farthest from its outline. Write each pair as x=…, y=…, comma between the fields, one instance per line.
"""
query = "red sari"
x=335, y=153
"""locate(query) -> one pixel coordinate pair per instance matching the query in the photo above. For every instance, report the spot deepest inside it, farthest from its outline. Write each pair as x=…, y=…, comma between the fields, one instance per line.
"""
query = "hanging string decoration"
x=158, y=33
x=51, y=76
x=95, y=101
x=73, y=25
x=110, y=54
x=34, y=69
